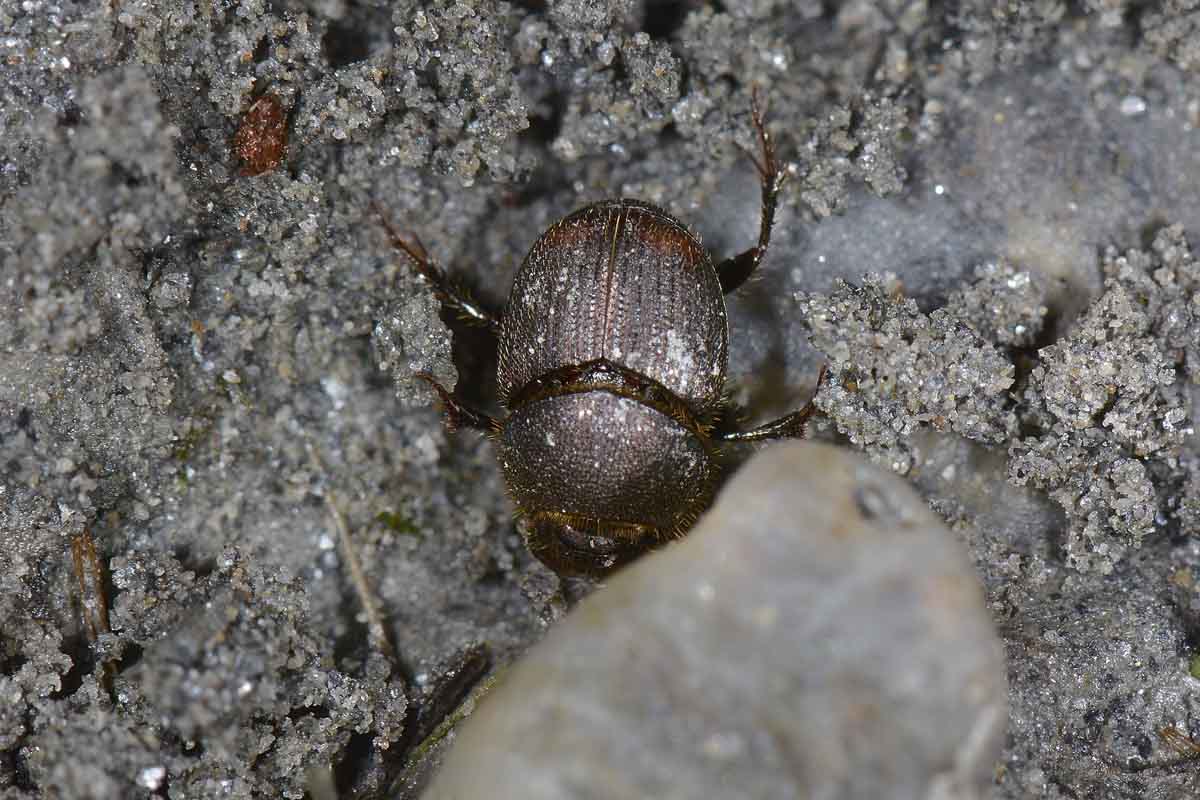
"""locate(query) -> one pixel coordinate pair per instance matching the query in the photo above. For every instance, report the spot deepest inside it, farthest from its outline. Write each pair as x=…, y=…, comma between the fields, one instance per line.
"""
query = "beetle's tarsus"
x=458, y=415
x=766, y=168
x=451, y=296
x=735, y=271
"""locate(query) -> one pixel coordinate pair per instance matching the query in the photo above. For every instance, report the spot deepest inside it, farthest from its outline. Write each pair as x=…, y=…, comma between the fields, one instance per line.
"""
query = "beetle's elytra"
x=612, y=360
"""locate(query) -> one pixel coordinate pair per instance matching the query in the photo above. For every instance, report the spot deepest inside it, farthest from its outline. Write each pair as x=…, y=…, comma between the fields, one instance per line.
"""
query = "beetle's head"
x=573, y=545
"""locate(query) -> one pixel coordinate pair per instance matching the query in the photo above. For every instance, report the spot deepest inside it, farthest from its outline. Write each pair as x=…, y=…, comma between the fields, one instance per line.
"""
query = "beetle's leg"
x=458, y=415
x=452, y=296
x=733, y=272
x=788, y=427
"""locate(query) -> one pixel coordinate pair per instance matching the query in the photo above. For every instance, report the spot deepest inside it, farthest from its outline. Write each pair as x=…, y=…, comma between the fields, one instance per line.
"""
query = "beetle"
x=612, y=355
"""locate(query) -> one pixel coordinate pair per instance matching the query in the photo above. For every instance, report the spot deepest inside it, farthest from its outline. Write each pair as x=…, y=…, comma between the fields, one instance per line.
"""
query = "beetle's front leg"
x=733, y=272
x=788, y=427
x=458, y=415
x=452, y=296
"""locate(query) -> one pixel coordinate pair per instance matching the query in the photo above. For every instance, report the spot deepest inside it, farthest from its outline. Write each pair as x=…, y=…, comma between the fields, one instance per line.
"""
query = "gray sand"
x=177, y=340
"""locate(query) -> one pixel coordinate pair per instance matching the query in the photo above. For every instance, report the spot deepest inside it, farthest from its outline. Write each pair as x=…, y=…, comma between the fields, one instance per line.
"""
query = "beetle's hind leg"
x=451, y=295
x=457, y=414
x=733, y=272
x=790, y=426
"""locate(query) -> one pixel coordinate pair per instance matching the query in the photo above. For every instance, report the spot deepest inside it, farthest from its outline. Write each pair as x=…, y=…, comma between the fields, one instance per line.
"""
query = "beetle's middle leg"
x=457, y=414
x=790, y=426
x=733, y=272
x=451, y=295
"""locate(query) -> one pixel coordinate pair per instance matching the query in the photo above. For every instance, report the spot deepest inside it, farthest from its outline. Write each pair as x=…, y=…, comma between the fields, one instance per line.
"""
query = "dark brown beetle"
x=612, y=358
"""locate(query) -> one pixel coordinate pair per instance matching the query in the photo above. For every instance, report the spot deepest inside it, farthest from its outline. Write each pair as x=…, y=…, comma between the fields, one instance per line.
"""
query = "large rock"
x=819, y=635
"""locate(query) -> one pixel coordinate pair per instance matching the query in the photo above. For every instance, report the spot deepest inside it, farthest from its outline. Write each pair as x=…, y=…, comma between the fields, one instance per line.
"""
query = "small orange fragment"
x=261, y=141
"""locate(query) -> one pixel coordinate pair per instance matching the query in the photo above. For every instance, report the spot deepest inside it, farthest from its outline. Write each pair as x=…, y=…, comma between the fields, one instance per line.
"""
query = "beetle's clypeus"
x=612, y=359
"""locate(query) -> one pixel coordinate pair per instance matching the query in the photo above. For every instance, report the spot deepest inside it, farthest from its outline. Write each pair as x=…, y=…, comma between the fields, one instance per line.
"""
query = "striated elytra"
x=612, y=362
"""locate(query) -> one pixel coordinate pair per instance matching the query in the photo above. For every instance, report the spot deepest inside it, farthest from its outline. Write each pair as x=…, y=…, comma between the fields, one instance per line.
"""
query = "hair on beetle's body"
x=612, y=355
